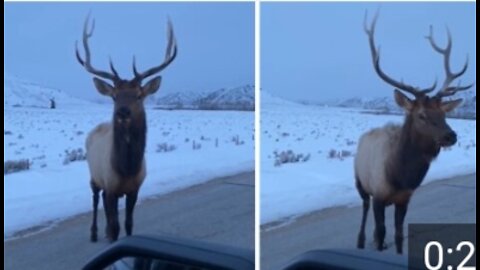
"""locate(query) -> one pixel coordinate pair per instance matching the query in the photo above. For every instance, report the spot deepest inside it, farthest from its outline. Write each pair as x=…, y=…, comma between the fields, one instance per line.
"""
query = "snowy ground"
x=52, y=190
x=293, y=189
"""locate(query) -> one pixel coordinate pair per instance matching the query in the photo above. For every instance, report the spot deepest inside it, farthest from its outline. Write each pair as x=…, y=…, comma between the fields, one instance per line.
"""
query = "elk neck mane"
x=129, y=147
x=410, y=159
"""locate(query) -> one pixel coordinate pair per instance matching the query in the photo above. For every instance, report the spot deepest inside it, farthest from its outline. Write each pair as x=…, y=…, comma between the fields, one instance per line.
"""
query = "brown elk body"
x=392, y=161
x=115, y=150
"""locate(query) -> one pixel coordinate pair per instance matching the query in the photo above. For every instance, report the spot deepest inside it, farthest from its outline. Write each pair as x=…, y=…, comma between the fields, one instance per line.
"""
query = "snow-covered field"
x=52, y=190
x=320, y=135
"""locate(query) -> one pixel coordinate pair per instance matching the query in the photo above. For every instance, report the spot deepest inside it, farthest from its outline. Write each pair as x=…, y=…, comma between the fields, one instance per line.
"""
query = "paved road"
x=447, y=201
x=219, y=211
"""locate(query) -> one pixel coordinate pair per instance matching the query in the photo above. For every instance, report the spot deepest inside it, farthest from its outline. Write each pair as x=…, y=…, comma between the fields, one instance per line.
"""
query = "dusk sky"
x=319, y=51
x=215, y=43
x=309, y=51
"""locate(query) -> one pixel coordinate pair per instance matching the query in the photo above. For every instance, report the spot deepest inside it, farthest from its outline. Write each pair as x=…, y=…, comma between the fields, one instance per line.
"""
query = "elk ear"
x=403, y=101
x=103, y=87
x=152, y=86
x=448, y=106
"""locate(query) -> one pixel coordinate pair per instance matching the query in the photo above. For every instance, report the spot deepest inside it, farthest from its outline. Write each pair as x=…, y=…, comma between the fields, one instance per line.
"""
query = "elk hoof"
x=93, y=238
x=382, y=247
x=361, y=241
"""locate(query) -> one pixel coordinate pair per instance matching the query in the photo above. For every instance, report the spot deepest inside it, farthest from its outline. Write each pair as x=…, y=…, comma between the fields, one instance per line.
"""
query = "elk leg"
x=400, y=212
x=379, y=214
x=107, y=215
x=366, y=207
x=131, y=200
x=93, y=228
x=113, y=228
x=105, y=210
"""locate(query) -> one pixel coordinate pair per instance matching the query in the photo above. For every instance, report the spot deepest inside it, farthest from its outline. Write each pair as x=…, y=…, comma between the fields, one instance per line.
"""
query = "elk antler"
x=447, y=90
x=170, y=54
x=376, y=63
x=87, y=64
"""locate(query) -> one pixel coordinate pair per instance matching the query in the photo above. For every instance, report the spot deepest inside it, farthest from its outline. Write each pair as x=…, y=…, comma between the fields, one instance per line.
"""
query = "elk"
x=115, y=150
x=392, y=161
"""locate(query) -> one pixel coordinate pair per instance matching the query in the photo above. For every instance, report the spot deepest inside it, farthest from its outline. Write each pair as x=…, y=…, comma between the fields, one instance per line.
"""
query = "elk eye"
x=139, y=97
x=422, y=117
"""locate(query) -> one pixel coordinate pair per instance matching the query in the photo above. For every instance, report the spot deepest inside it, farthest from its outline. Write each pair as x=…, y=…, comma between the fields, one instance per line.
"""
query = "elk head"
x=128, y=95
x=427, y=113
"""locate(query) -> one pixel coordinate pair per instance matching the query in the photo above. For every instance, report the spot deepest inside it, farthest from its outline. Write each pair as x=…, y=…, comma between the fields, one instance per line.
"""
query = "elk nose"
x=450, y=137
x=123, y=113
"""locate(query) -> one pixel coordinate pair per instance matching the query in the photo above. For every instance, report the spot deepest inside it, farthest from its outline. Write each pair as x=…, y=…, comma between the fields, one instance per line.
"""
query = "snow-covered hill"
x=387, y=105
x=240, y=98
x=23, y=93
x=19, y=92
x=271, y=100
x=179, y=100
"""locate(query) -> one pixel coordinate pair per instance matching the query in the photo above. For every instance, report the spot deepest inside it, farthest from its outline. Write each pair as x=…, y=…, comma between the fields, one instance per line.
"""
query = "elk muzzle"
x=123, y=115
x=448, y=139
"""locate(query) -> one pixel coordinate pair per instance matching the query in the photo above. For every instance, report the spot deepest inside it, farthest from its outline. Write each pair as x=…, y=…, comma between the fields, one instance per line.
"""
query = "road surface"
x=445, y=201
x=219, y=211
